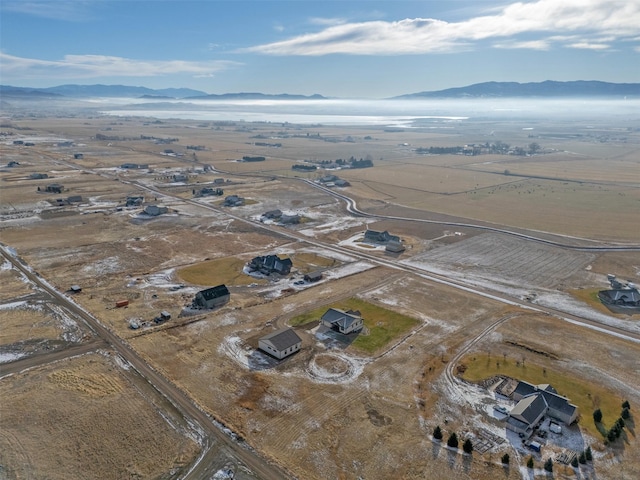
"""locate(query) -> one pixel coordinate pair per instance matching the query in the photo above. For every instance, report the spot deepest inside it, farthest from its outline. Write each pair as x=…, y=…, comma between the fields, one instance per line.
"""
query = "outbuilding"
x=212, y=297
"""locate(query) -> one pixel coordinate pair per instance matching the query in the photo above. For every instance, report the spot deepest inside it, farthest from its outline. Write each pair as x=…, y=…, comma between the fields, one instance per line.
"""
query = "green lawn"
x=226, y=270
x=383, y=325
x=586, y=395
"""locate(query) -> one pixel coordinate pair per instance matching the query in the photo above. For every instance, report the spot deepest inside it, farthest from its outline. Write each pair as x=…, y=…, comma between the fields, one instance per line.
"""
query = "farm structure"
x=270, y=264
x=212, y=297
x=341, y=321
x=53, y=188
x=313, y=276
x=622, y=299
x=233, y=201
x=208, y=192
x=534, y=402
x=281, y=343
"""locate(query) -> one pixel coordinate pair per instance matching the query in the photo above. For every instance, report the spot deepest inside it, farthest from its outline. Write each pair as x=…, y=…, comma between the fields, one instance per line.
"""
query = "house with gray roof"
x=381, y=238
x=281, y=343
x=527, y=414
x=342, y=321
x=212, y=297
x=535, y=401
x=269, y=264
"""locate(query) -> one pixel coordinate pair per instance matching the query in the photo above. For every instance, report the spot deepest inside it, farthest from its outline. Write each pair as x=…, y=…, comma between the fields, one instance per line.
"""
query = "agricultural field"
x=458, y=306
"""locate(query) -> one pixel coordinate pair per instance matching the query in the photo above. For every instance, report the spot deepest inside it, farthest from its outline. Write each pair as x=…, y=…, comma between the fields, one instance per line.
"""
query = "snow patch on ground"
x=104, y=266
x=6, y=357
x=13, y=305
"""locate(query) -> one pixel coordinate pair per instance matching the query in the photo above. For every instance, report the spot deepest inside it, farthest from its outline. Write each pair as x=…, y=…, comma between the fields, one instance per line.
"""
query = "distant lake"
x=430, y=113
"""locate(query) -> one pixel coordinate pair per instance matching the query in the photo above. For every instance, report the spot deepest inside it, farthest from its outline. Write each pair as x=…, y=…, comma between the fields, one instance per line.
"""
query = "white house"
x=281, y=343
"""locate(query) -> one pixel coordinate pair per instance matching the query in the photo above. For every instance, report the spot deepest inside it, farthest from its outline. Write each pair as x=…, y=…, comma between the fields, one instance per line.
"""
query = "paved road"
x=215, y=438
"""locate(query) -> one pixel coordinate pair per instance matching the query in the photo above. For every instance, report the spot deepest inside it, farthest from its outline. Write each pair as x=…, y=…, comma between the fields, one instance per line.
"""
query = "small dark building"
x=78, y=156
x=341, y=183
x=394, y=247
x=290, y=219
x=271, y=264
x=208, y=192
x=212, y=297
x=155, y=210
x=180, y=177
x=75, y=289
x=313, y=276
x=38, y=176
x=621, y=300
x=74, y=199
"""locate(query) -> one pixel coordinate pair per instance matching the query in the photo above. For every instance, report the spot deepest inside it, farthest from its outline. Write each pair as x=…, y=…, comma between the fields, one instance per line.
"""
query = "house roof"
x=282, y=339
x=529, y=409
x=341, y=318
x=523, y=389
x=214, y=292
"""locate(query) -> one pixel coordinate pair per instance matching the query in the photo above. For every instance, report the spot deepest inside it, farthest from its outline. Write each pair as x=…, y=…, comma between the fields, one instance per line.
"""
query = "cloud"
x=90, y=66
x=326, y=21
x=616, y=19
x=589, y=46
x=69, y=10
x=529, y=45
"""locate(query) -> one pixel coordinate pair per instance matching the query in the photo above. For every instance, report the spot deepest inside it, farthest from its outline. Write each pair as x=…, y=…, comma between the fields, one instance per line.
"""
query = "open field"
x=332, y=410
x=77, y=411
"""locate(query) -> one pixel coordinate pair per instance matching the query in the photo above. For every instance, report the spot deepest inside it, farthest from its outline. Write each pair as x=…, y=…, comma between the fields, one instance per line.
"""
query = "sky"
x=336, y=48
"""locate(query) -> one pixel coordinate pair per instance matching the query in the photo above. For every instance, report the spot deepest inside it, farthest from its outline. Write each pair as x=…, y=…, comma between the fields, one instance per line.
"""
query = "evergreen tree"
x=588, y=455
x=620, y=423
x=626, y=405
x=548, y=465
x=505, y=459
x=530, y=462
x=574, y=462
x=467, y=446
x=453, y=440
x=437, y=433
x=625, y=414
x=582, y=458
x=597, y=416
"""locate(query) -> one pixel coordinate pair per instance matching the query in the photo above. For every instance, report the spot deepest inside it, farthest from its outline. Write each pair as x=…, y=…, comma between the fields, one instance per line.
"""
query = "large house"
x=536, y=401
x=341, y=321
x=271, y=264
x=380, y=237
x=212, y=297
x=280, y=343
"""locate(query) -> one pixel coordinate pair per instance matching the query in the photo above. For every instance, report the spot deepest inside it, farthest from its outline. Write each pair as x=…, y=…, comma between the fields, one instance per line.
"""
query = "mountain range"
x=549, y=88
x=546, y=89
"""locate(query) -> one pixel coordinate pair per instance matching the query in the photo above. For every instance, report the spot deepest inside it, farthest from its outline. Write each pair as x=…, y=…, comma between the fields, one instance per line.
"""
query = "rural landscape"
x=448, y=297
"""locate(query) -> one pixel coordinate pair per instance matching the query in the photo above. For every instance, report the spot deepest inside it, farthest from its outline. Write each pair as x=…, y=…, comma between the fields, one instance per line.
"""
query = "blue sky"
x=339, y=48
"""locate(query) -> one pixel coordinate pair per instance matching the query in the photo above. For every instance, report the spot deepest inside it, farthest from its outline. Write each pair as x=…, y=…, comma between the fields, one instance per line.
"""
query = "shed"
x=281, y=343
x=313, y=276
x=394, y=247
x=75, y=289
x=155, y=210
x=122, y=303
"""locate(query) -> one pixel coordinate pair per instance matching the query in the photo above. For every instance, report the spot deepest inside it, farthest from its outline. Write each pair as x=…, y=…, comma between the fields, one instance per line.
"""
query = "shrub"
x=548, y=465
x=597, y=416
x=453, y=440
x=505, y=459
x=437, y=433
x=467, y=446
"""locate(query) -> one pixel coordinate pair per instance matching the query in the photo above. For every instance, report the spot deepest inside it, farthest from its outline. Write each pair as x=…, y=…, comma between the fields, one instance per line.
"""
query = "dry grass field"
x=332, y=410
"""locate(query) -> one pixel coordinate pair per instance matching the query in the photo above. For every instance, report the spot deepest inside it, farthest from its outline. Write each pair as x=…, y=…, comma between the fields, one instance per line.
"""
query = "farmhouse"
x=212, y=297
x=233, y=201
x=155, y=210
x=208, y=191
x=134, y=200
x=536, y=401
x=134, y=166
x=381, y=238
x=281, y=343
x=341, y=321
x=270, y=264
x=38, y=176
x=624, y=299
x=290, y=219
x=272, y=214
x=53, y=188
